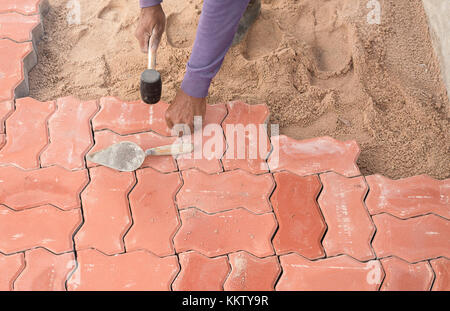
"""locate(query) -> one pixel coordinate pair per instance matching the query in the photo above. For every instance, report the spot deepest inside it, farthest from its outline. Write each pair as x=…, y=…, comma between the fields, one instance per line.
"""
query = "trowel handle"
x=170, y=150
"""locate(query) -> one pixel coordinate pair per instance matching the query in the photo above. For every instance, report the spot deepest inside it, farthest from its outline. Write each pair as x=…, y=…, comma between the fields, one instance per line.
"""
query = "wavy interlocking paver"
x=70, y=133
x=27, y=133
x=130, y=117
x=301, y=225
x=199, y=272
x=408, y=197
x=403, y=276
x=209, y=143
x=45, y=226
x=11, y=66
x=413, y=239
x=6, y=108
x=226, y=232
x=441, y=267
x=10, y=268
x=340, y=273
x=104, y=139
x=22, y=6
x=17, y=27
x=139, y=270
x=249, y=273
x=311, y=156
x=248, y=142
x=45, y=271
x=53, y=185
x=220, y=192
x=155, y=217
x=350, y=229
x=105, y=210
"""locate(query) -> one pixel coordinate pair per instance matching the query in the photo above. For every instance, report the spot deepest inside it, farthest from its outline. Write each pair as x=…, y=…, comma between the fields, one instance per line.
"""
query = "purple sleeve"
x=147, y=3
x=217, y=26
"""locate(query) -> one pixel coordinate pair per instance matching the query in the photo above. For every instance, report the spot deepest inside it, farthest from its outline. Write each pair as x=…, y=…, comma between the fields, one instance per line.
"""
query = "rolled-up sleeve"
x=147, y=3
x=217, y=26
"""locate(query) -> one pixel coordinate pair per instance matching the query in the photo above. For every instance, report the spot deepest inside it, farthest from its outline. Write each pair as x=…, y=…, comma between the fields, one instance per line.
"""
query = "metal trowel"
x=127, y=156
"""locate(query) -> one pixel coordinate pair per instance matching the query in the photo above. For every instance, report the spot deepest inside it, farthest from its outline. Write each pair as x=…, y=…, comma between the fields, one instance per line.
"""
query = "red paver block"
x=413, y=239
x=138, y=271
x=154, y=213
x=249, y=273
x=45, y=271
x=311, y=156
x=106, y=211
x=45, y=226
x=209, y=143
x=6, y=108
x=70, y=133
x=247, y=139
x=340, y=273
x=408, y=197
x=200, y=273
x=224, y=191
x=350, y=229
x=53, y=185
x=441, y=267
x=10, y=268
x=403, y=276
x=27, y=133
x=17, y=27
x=131, y=117
x=22, y=6
x=301, y=225
x=11, y=66
x=226, y=232
x=148, y=140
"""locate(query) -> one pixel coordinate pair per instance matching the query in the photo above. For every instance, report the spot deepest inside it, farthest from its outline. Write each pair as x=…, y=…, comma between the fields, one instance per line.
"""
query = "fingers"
x=183, y=109
x=173, y=120
x=152, y=23
x=146, y=38
x=143, y=38
x=155, y=39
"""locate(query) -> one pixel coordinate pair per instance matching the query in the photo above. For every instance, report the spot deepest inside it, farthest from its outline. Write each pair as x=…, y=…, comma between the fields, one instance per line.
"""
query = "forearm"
x=217, y=26
x=147, y=3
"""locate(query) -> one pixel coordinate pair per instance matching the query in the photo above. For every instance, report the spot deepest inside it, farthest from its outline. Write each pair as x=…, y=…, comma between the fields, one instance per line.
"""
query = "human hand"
x=152, y=23
x=184, y=108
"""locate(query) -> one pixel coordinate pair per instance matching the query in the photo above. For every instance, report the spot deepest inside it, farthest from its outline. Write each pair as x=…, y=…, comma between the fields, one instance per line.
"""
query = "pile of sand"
x=318, y=64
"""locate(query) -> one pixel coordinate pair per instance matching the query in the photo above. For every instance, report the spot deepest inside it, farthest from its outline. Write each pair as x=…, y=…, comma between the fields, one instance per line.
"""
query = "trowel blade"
x=124, y=156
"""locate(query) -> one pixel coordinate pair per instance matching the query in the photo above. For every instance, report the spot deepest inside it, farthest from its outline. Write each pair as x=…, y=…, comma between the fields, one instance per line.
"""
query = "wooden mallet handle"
x=151, y=55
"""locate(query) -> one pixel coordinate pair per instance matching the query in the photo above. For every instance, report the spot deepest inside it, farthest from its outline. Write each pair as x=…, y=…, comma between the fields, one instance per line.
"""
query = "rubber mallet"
x=151, y=85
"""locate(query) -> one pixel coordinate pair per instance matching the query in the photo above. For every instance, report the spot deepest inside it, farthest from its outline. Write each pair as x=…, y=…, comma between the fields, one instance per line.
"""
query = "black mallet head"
x=151, y=86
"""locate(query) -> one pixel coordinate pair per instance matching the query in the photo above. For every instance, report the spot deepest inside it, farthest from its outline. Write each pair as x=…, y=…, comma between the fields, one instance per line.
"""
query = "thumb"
x=155, y=39
x=143, y=41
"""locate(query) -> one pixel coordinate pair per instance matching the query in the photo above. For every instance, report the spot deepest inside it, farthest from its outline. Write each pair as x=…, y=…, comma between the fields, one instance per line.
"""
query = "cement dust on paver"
x=320, y=67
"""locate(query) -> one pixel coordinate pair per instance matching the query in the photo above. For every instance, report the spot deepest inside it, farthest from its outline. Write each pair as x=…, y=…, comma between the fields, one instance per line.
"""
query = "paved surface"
x=306, y=220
